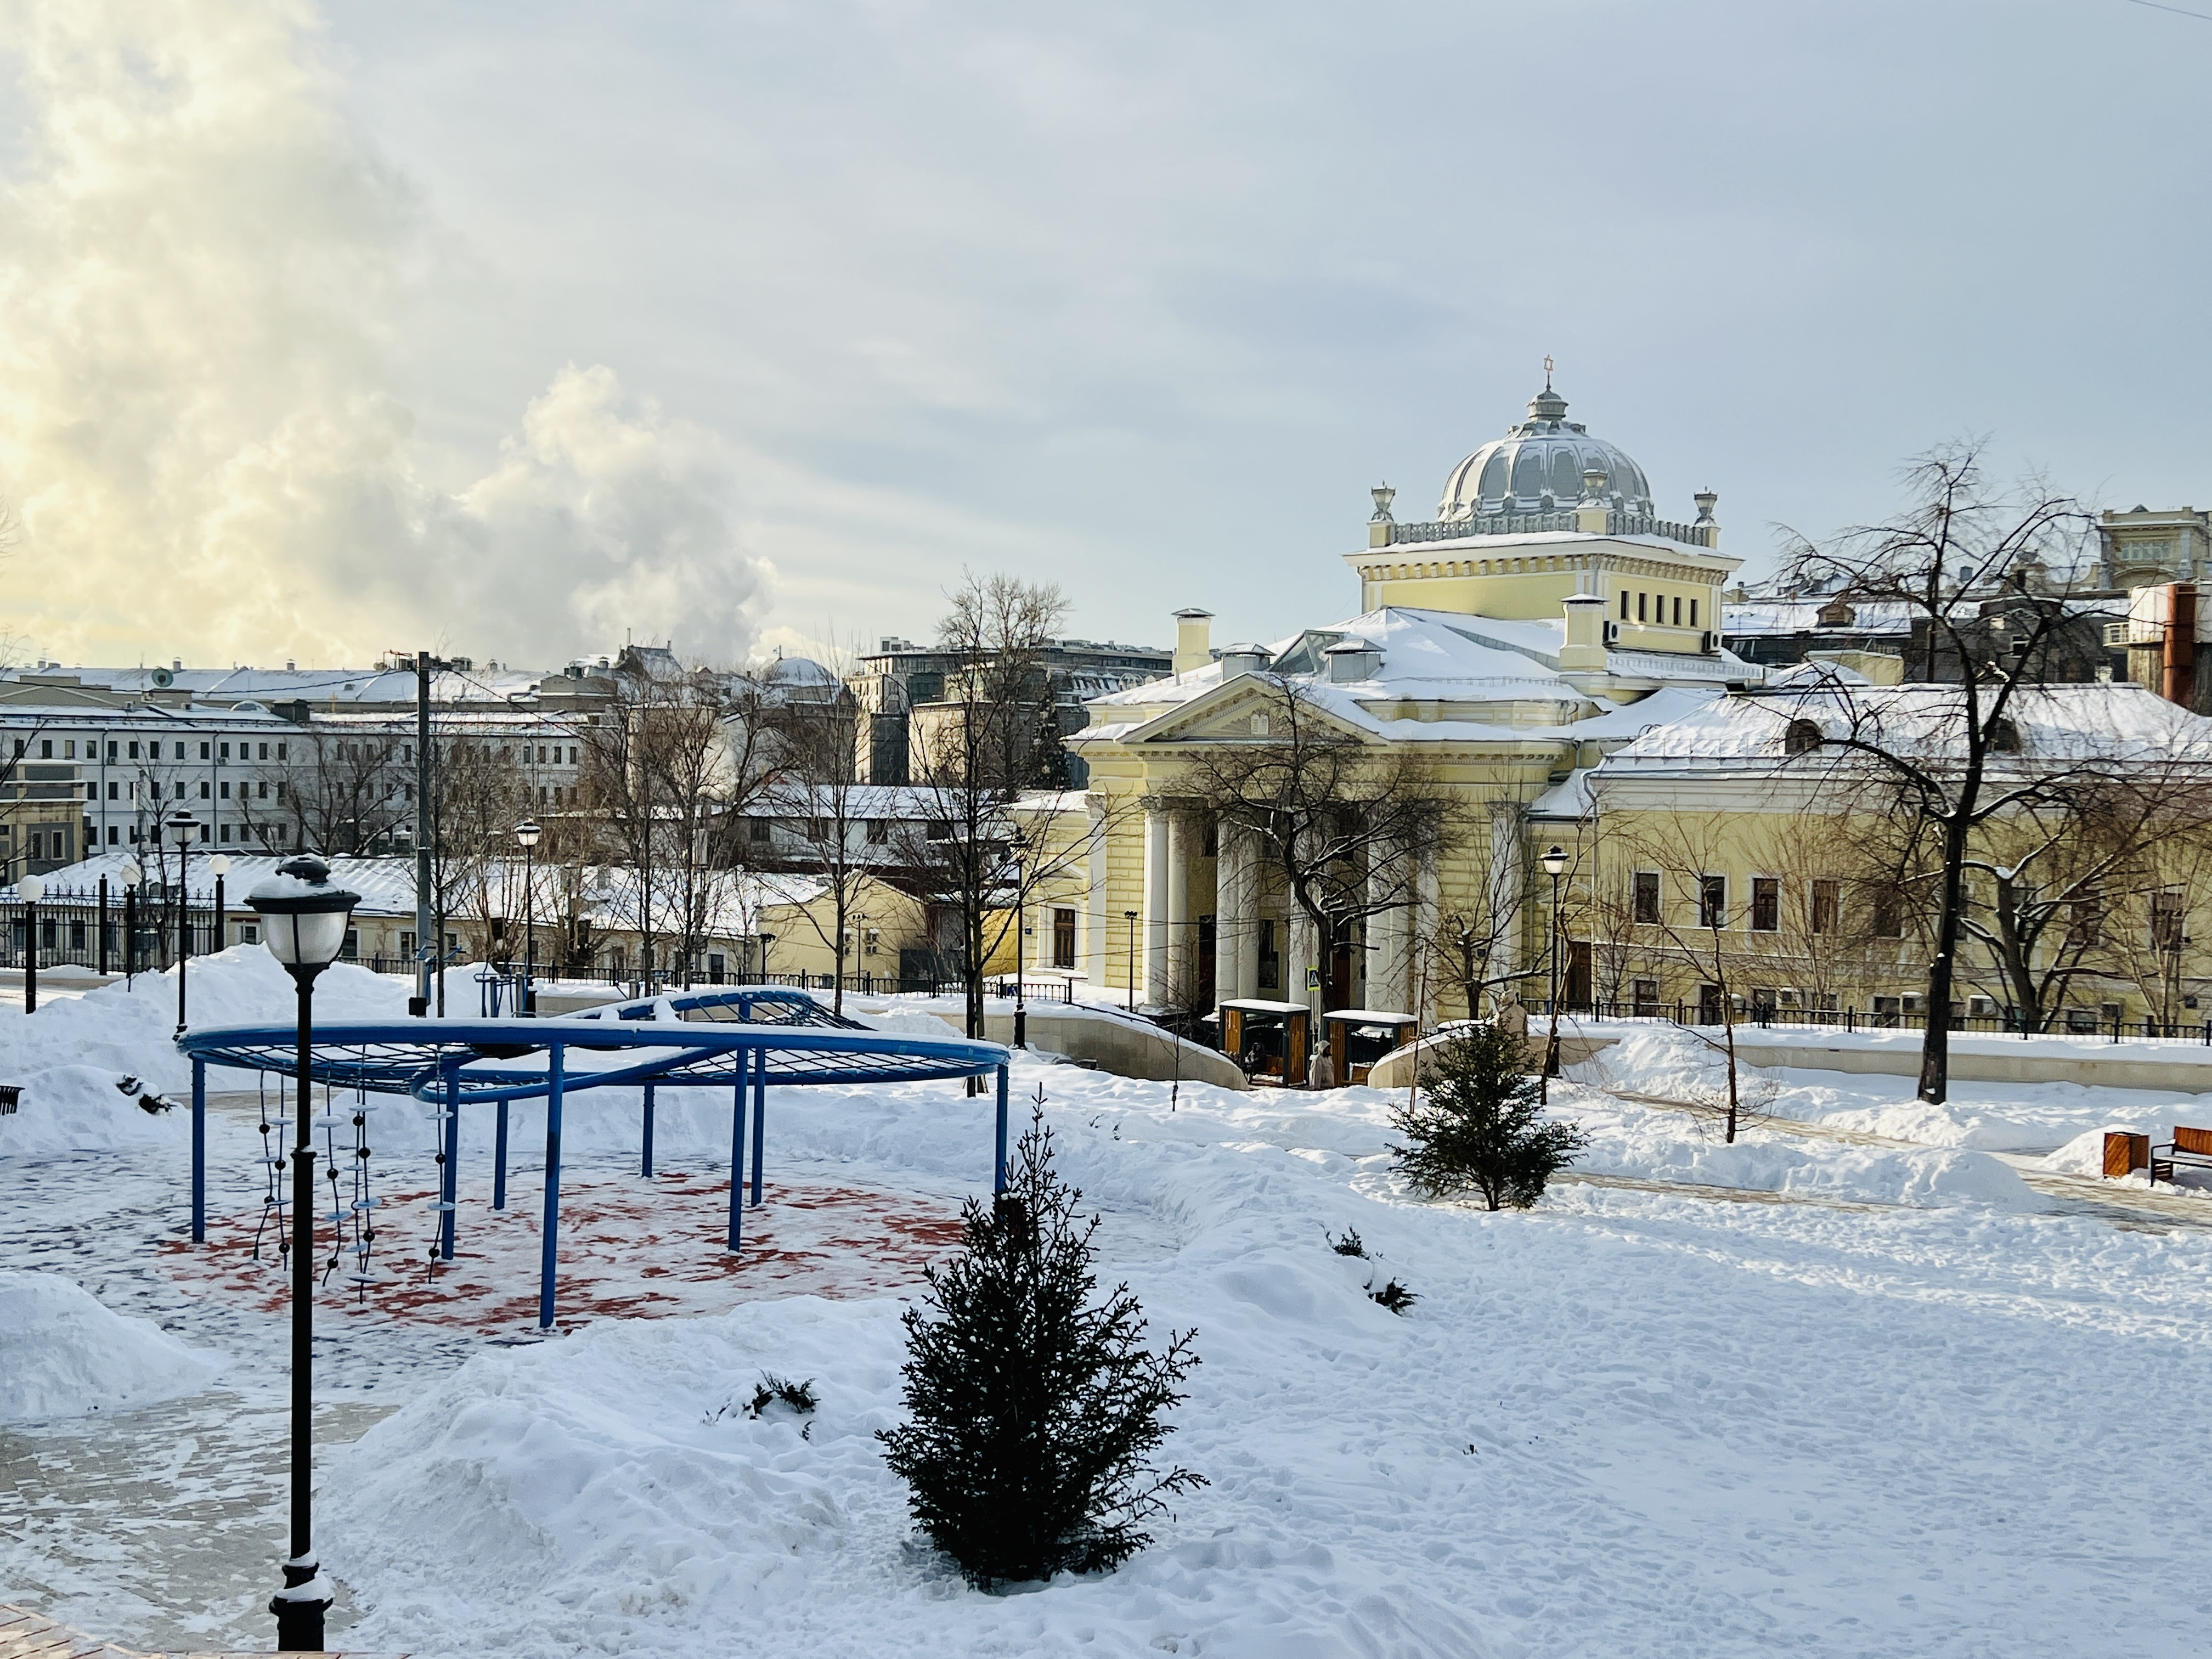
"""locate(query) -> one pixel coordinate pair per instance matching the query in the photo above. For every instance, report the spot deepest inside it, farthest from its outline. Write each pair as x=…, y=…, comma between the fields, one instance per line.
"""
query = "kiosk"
x=1268, y=1039
x=1358, y=1038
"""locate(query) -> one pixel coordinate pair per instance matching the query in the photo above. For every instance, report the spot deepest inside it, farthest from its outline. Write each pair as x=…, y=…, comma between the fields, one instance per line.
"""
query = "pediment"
x=1225, y=715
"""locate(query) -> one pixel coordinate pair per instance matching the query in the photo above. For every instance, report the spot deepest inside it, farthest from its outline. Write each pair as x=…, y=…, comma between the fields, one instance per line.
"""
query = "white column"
x=1182, y=952
x=1424, y=924
x=1092, y=946
x=1155, y=916
x=1388, y=931
x=1232, y=916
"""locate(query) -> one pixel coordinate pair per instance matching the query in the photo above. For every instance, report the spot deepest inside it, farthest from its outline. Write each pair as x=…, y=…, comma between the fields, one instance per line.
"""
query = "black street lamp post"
x=1555, y=866
x=184, y=827
x=1014, y=850
x=220, y=865
x=1130, y=916
x=132, y=875
x=526, y=836
x=304, y=921
x=31, y=889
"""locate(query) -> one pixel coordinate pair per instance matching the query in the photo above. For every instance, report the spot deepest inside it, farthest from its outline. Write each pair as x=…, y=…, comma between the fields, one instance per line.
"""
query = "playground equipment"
x=744, y=1038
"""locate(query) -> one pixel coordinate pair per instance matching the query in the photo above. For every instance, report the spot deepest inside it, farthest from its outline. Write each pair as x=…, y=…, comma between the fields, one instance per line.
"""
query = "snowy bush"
x=1479, y=1126
x=1034, y=1412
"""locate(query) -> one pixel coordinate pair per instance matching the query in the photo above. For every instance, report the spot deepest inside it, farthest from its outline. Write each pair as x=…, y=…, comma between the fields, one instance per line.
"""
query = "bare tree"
x=351, y=789
x=1957, y=536
x=977, y=756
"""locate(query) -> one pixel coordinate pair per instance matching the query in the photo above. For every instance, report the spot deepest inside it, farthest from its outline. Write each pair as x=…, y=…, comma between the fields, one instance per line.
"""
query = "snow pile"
x=2084, y=1155
x=1666, y=1062
x=68, y=1056
x=1670, y=1146
x=63, y=1354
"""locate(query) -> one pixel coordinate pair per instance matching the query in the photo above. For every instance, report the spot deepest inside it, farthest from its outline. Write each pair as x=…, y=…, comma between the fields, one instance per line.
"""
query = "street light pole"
x=220, y=865
x=1014, y=847
x=31, y=889
x=1555, y=866
x=304, y=924
x=526, y=834
x=184, y=826
x=132, y=875
x=1130, y=916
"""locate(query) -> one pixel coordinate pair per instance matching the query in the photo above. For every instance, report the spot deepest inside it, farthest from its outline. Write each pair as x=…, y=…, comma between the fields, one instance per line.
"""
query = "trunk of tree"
x=1936, y=1044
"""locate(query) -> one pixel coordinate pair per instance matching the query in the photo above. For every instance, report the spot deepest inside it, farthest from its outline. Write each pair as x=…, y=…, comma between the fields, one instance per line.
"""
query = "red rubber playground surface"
x=629, y=1249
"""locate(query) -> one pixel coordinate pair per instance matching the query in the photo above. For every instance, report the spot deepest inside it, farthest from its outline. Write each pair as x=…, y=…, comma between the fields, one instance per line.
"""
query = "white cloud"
x=203, y=271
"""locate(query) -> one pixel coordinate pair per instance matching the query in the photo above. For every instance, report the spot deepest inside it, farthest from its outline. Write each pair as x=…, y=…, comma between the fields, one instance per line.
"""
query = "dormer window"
x=1802, y=736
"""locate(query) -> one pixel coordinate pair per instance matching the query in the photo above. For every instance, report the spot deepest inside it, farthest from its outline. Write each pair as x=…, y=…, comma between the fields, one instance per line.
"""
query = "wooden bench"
x=2190, y=1149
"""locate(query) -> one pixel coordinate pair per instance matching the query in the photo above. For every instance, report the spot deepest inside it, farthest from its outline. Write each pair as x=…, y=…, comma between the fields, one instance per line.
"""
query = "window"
x=180, y=752
x=1709, y=1005
x=226, y=788
x=203, y=752
x=1766, y=904
x=249, y=932
x=407, y=945
x=1642, y=602
x=1623, y=604
x=280, y=751
x=2167, y=908
x=46, y=749
x=1271, y=960
x=226, y=751
x=879, y=831
x=1063, y=938
x=351, y=950
x=1801, y=738
x=938, y=832
x=225, y=832
x=113, y=790
x=2004, y=737
x=178, y=793
x=1644, y=993
x=111, y=835
x=1209, y=840
x=817, y=830
x=760, y=830
x=111, y=749
x=133, y=749
x=19, y=748
x=69, y=749
x=1693, y=613
x=1647, y=896
x=280, y=789
x=1888, y=912
x=261, y=790
x=1826, y=901
x=203, y=790
x=1677, y=611
x=1712, y=901
x=572, y=754
x=264, y=751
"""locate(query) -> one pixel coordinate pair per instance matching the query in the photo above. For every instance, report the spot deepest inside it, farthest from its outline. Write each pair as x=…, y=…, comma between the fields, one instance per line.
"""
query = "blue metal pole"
x=745, y=1057
x=644, y=1161
x=760, y=1116
x=199, y=1151
x=450, y=1188
x=998, y=1180
x=549, y=1246
x=499, y=1162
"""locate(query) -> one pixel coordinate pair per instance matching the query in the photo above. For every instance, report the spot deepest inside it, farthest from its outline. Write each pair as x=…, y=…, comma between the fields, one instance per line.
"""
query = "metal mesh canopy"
x=711, y=1040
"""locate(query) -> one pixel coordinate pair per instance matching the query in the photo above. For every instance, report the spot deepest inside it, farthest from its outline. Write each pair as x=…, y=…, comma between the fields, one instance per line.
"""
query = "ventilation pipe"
x=1194, y=640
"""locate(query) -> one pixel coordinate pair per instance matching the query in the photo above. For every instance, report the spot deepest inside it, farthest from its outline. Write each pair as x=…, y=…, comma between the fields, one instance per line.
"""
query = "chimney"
x=1584, y=650
x=1245, y=659
x=2181, y=646
x=1193, y=647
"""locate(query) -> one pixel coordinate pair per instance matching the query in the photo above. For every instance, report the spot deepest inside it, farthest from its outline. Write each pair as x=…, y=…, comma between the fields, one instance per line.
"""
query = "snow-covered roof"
x=387, y=885
x=2054, y=722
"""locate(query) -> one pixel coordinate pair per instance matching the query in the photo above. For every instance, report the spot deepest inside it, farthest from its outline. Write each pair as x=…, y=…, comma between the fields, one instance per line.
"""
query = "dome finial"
x=1547, y=371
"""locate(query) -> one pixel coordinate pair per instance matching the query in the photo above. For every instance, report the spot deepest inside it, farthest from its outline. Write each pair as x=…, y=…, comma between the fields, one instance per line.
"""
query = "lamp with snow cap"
x=31, y=889
x=131, y=875
x=185, y=827
x=525, y=837
x=303, y=923
x=1554, y=863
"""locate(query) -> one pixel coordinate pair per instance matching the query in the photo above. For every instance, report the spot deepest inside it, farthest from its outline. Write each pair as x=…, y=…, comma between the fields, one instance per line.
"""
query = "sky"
x=518, y=330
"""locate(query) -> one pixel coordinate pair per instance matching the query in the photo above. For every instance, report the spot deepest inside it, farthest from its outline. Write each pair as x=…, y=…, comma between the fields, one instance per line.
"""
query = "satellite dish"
x=163, y=679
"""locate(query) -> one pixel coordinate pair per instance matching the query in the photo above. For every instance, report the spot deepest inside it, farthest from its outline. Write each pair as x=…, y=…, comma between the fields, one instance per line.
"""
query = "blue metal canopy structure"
x=743, y=1037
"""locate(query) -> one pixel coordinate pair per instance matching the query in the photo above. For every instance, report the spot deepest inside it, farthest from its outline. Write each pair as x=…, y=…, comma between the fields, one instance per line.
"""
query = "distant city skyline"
x=513, y=329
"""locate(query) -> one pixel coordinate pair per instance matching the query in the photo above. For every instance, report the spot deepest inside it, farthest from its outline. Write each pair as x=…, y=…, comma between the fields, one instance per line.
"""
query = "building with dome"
x=1545, y=617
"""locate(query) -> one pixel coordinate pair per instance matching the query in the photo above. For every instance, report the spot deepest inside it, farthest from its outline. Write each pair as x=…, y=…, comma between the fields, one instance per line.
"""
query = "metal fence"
x=2070, y=1021
x=90, y=935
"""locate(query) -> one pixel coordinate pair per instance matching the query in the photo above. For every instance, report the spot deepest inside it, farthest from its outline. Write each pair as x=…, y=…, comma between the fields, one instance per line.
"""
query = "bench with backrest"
x=2190, y=1149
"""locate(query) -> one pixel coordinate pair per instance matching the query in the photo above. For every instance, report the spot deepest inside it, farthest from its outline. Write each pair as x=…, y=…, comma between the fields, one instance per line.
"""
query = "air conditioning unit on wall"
x=1708, y=642
x=1613, y=633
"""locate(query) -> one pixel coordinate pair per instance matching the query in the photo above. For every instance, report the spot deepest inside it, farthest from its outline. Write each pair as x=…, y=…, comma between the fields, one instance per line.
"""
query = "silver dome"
x=1537, y=466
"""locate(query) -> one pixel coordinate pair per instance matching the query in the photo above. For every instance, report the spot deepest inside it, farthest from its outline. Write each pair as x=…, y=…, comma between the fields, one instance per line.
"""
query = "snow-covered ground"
x=1811, y=1393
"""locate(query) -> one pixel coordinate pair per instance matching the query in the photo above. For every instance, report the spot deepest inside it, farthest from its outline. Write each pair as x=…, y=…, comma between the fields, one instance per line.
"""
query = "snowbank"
x=68, y=1056
x=1633, y=1141
x=62, y=1354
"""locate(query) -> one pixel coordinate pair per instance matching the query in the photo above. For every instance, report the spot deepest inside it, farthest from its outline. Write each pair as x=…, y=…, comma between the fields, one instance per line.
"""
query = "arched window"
x=2004, y=738
x=1804, y=735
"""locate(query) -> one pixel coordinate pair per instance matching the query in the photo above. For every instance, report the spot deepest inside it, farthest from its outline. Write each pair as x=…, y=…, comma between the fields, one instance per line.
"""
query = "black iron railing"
x=2070, y=1022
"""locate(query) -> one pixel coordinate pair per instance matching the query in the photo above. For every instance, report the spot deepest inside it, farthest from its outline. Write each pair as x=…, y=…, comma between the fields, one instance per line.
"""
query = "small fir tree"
x=1033, y=1412
x=1481, y=1126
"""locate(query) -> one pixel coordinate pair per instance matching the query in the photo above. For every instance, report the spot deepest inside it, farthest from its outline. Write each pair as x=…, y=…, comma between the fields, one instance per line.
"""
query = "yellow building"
x=1544, y=617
